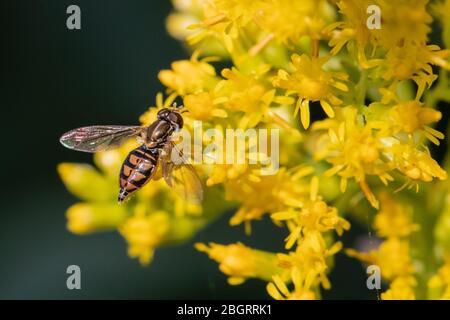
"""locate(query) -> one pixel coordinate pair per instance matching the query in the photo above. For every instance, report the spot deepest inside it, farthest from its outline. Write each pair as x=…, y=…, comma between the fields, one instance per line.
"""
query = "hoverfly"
x=141, y=163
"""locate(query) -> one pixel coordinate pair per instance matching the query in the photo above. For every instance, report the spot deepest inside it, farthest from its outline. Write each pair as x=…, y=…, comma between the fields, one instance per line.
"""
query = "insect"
x=141, y=163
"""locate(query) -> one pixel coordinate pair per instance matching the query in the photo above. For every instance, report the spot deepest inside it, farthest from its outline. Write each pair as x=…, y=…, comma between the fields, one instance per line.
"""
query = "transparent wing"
x=98, y=138
x=181, y=175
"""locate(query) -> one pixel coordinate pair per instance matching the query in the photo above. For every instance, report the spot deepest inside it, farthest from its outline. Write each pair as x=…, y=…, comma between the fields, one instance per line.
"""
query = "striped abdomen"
x=137, y=170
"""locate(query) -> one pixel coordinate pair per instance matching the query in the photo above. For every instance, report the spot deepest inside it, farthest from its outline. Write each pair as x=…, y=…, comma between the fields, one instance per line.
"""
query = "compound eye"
x=163, y=114
x=176, y=118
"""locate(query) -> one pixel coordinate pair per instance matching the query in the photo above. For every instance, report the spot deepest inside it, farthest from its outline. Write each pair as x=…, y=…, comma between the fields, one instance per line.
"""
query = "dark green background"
x=54, y=79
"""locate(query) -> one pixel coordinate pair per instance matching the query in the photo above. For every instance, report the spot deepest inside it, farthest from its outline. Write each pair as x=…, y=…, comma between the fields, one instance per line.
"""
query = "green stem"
x=423, y=243
x=361, y=88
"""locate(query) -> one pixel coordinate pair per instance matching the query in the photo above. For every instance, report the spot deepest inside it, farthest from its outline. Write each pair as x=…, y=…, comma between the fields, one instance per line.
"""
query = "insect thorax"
x=158, y=133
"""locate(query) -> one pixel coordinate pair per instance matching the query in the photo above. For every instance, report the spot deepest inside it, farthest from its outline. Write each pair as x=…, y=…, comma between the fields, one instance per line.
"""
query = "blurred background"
x=55, y=79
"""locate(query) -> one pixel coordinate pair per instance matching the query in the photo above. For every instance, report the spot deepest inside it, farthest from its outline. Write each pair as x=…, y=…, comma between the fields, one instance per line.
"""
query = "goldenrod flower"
x=392, y=257
x=412, y=117
x=415, y=164
x=401, y=289
x=353, y=28
x=397, y=22
x=314, y=216
x=86, y=182
x=310, y=82
x=399, y=19
x=189, y=76
x=439, y=284
x=85, y=218
x=394, y=219
x=226, y=172
x=302, y=287
x=202, y=106
x=224, y=19
x=310, y=258
x=246, y=93
x=414, y=62
x=187, y=12
x=144, y=232
x=259, y=195
x=441, y=10
x=289, y=20
x=355, y=151
x=240, y=262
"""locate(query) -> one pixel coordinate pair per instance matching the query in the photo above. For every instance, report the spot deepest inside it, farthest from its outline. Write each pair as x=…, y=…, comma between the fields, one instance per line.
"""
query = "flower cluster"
x=355, y=112
x=393, y=222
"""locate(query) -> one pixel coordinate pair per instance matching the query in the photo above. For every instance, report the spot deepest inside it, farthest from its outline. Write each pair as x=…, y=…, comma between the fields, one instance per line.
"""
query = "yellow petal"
x=292, y=238
x=340, y=86
x=273, y=291
x=283, y=215
x=284, y=100
x=84, y=218
x=304, y=113
x=85, y=182
x=280, y=285
x=327, y=108
x=234, y=281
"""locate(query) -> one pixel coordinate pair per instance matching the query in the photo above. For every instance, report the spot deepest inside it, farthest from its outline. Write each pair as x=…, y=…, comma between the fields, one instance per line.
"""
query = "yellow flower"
x=401, y=288
x=189, y=76
x=314, y=215
x=441, y=9
x=392, y=257
x=397, y=21
x=302, y=287
x=310, y=82
x=359, y=152
x=224, y=19
x=248, y=93
x=440, y=282
x=414, y=62
x=143, y=232
x=355, y=151
x=86, y=182
x=394, y=218
x=399, y=18
x=310, y=258
x=259, y=195
x=85, y=218
x=187, y=12
x=289, y=20
x=411, y=117
x=416, y=165
x=239, y=11
x=202, y=106
x=352, y=28
x=240, y=262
